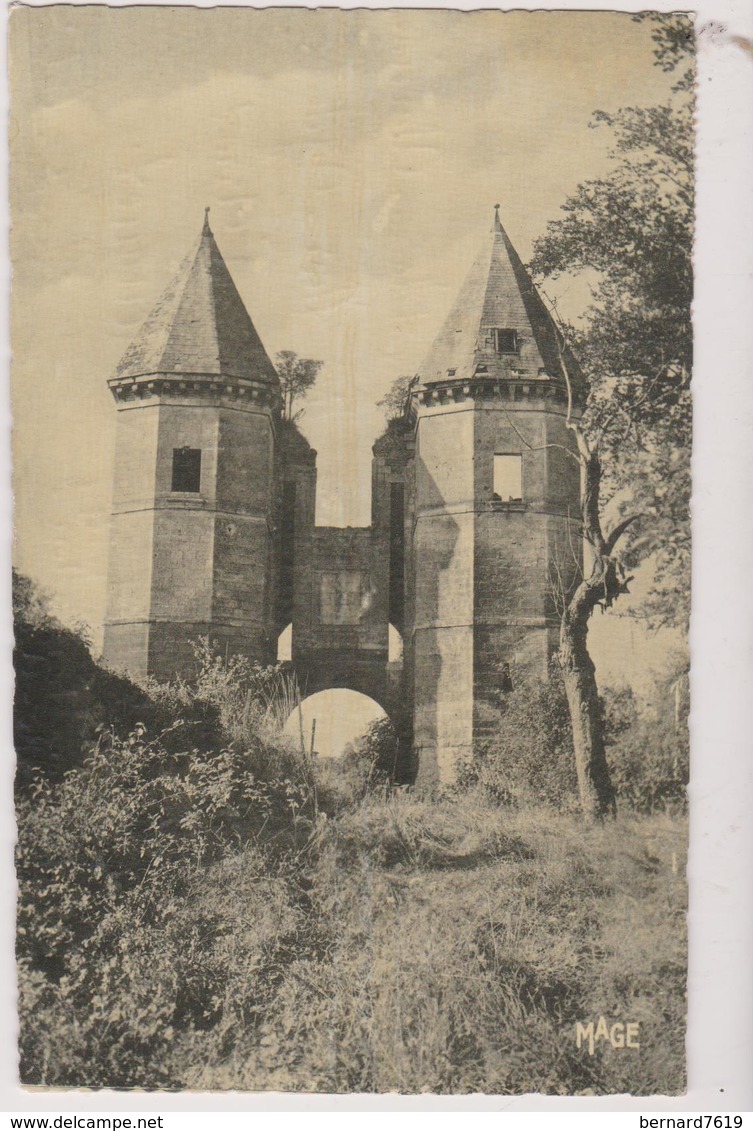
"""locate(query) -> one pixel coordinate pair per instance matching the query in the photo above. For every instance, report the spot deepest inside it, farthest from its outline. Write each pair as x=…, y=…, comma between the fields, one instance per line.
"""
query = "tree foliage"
x=395, y=401
x=63, y=697
x=297, y=375
x=630, y=234
x=526, y=756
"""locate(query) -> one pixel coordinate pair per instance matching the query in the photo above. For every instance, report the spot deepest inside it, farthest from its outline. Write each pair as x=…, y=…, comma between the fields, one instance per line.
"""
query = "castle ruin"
x=475, y=526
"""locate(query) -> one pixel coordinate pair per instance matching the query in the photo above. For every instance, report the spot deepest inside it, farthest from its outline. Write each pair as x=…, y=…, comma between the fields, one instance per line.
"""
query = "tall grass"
x=461, y=946
x=237, y=915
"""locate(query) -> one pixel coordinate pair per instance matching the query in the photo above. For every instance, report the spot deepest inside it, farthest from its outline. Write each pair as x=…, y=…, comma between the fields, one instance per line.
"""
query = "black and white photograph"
x=351, y=393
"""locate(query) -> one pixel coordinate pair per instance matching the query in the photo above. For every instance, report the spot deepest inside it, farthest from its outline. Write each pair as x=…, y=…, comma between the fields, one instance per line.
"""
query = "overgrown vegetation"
x=371, y=763
x=234, y=915
x=631, y=232
x=62, y=696
x=527, y=755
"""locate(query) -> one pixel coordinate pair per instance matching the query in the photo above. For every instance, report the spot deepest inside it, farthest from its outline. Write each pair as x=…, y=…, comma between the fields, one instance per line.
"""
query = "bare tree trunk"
x=604, y=583
x=597, y=796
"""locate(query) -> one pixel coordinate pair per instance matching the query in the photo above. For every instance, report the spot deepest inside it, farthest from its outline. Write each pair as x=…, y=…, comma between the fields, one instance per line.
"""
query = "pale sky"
x=351, y=161
x=337, y=718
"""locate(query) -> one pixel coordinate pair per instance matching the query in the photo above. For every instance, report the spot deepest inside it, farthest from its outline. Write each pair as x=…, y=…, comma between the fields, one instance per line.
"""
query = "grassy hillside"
x=391, y=945
x=460, y=944
x=201, y=906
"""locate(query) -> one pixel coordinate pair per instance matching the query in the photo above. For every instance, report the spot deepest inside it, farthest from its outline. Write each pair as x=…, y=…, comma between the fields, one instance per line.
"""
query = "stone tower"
x=475, y=534
x=496, y=502
x=192, y=542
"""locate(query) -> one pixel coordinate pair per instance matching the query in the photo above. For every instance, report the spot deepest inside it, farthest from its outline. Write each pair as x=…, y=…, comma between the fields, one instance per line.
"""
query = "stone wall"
x=468, y=579
x=185, y=564
x=443, y=557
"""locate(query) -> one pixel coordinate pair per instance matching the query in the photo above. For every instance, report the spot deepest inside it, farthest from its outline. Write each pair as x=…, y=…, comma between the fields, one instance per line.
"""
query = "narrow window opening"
x=507, y=485
x=506, y=341
x=285, y=645
x=187, y=470
x=394, y=645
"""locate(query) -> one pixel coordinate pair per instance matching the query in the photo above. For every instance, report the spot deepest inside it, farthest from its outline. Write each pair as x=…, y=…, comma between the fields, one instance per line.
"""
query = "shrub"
x=527, y=754
x=648, y=753
x=527, y=757
x=370, y=763
x=237, y=687
x=107, y=863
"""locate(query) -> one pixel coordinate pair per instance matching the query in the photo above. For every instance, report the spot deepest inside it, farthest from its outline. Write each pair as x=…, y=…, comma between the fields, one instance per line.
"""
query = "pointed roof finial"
x=200, y=326
x=500, y=328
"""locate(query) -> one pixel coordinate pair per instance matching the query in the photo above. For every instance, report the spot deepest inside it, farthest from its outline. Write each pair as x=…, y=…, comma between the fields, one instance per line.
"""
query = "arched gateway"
x=330, y=722
x=475, y=499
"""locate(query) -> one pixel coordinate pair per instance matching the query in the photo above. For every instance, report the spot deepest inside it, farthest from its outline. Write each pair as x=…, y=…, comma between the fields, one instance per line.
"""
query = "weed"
x=201, y=905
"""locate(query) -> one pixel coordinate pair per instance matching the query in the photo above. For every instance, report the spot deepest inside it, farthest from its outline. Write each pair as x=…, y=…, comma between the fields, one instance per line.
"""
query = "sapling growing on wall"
x=297, y=375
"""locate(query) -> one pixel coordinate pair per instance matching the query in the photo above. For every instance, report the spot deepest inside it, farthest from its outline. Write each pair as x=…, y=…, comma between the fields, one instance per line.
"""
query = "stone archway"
x=368, y=672
x=327, y=721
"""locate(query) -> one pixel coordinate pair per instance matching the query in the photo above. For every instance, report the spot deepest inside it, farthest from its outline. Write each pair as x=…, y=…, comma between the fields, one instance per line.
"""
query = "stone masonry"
x=475, y=503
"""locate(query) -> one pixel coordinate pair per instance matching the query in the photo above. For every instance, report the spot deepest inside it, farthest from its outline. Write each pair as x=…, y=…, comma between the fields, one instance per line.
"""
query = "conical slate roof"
x=200, y=325
x=499, y=294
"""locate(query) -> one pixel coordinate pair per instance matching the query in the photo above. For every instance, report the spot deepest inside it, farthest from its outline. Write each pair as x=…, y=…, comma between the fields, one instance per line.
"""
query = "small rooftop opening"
x=506, y=341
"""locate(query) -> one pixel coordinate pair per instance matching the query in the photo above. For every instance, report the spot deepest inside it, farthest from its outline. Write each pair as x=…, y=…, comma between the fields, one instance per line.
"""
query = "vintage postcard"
x=352, y=429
